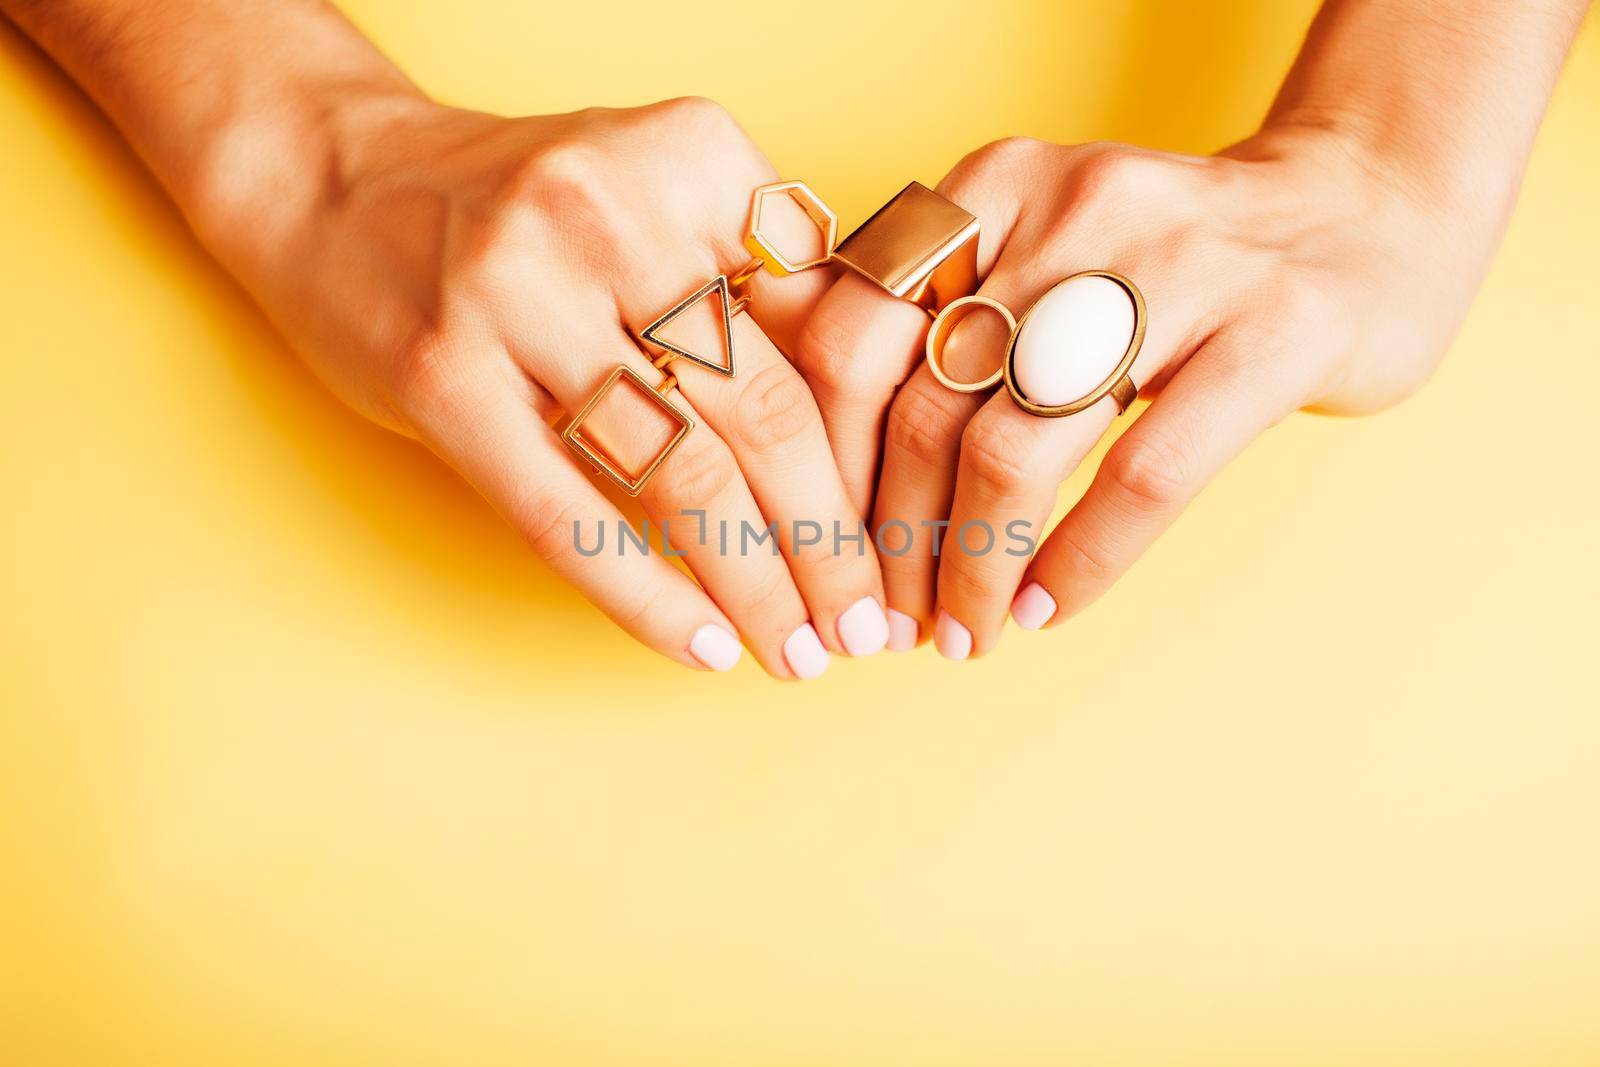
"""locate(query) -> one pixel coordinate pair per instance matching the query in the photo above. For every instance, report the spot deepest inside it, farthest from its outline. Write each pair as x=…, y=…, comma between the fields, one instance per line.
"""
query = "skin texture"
x=465, y=278
x=1325, y=263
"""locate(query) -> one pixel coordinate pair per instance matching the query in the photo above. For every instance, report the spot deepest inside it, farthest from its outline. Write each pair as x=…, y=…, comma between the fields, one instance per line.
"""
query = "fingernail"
x=804, y=653
x=903, y=631
x=862, y=628
x=953, y=640
x=715, y=647
x=1033, y=607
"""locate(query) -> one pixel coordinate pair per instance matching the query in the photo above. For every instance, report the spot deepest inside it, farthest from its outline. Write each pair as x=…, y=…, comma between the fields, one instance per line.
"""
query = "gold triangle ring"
x=719, y=289
x=731, y=292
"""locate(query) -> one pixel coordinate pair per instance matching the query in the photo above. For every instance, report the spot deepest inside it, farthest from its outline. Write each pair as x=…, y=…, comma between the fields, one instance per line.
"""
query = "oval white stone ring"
x=1077, y=344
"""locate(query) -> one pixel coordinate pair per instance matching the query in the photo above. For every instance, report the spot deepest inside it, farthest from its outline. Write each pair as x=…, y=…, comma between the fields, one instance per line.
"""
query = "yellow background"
x=303, y=760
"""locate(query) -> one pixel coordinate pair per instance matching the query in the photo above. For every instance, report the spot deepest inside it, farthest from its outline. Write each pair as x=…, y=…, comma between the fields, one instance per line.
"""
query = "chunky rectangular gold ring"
x=919, y=247
x=590, y=450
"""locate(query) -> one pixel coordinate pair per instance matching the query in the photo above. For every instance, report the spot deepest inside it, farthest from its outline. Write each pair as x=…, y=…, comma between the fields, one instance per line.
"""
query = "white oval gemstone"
x=1074, y=338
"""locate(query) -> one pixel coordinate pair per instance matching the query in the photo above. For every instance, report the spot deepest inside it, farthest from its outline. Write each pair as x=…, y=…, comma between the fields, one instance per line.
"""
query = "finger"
x=704, y=498
x=1010, y=469
x=1216, y=404
x=1012, y=462
x=770, y=421
x=922, y=446
x=921, y=451
x=854, y=351
x=486, y=425
x=768, y=418
x=698, y=495
x=860, y=344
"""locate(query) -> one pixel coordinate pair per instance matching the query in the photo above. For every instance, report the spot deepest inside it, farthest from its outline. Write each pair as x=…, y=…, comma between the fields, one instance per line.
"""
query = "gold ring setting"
x=918, y=247
x=731, y=296
x=1074, y=346
x=939, y=333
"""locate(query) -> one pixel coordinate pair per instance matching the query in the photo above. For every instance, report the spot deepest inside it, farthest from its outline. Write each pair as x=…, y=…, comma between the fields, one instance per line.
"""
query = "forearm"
x=240, y=107
x=1444, y=97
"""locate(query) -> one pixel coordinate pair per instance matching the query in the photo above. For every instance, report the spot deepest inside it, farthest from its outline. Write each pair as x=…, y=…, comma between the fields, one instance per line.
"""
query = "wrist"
x=268, y=167
x=1349, y=154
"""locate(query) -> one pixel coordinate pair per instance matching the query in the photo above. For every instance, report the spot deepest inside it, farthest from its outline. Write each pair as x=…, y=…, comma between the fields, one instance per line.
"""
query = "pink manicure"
x=715, y=648
x=1033, y=607
x=804, y=653
x=863, y=629
x=903, y=631
x=953, y=640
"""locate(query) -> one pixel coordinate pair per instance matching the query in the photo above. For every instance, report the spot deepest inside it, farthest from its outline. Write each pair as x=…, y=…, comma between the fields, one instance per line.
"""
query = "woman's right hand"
x=464, y=278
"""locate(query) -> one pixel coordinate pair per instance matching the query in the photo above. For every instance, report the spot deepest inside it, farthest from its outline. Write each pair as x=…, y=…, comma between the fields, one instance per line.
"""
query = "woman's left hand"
x=1295, y=270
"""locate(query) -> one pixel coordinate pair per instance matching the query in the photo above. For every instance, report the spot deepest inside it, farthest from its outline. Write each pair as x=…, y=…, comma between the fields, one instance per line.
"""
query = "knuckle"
x=775, y=410
x=649, y=604
x=827, y=351
x=697, y=113
x=772, y=599
x=904, y=571
x=1112, y=181
x=696, y=476
x=818, y=567
x=1107, y=171
x=993, y=161
x=547, y=521
x=1082, y=557
x=569, y=182
x=560, y=165
x=1149, y=473
x=924, y=424
x=998, y=456
x=427, y=378
x=963, y=581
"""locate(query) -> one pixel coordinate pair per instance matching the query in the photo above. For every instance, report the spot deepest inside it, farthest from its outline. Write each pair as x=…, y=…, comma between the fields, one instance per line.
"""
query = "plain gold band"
x=943, y=323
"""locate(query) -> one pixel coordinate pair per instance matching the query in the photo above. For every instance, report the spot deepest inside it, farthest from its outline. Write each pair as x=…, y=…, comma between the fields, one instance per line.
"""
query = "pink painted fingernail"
x=715, y=647
x=863, y=629
x=1033, y=607
x=953, y=640
x=804, y=653
x=903, y=631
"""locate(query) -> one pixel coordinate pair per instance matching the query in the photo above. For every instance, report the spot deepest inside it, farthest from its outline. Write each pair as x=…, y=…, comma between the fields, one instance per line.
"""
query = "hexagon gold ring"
x=766, y=251
x=731, y=293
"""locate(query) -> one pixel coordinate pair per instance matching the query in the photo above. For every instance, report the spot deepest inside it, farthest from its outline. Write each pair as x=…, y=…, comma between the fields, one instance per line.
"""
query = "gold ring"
x=718, y=289
x=739, y=281
x=1118, y=384
x=919, y=247
x=766, y=251
x=625, y=377
x=732, y=296
x=944, y=322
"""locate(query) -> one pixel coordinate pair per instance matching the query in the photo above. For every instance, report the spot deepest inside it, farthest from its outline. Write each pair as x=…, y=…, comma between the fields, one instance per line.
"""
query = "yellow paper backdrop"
x=303, y=760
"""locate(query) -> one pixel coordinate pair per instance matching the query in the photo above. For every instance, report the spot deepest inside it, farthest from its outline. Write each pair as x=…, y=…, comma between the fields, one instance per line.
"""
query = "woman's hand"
x=1325, y=263
x=1288, y=272
x=464, y=278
